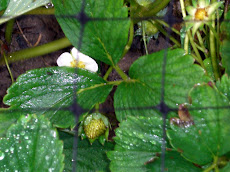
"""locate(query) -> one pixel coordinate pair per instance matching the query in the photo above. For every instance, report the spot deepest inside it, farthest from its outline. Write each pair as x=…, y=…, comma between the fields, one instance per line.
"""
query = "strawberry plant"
x=171, y=108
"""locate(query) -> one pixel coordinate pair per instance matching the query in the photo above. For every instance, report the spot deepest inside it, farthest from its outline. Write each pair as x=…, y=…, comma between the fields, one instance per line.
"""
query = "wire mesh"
x=162, y=107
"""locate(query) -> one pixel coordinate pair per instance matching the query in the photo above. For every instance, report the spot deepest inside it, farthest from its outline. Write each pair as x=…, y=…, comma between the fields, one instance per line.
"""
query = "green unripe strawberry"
x=95, y=128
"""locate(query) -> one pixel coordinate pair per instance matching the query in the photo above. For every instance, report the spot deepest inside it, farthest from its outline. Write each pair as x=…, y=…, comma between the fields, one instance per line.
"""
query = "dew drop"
x=2, y=155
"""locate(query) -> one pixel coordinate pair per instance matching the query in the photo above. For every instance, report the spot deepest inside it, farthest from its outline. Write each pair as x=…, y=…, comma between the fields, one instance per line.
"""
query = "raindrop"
x=26, y=137
x=23, y=133
x=47, y=157
x=49, y=5
x=2, y=155
x=11, y=149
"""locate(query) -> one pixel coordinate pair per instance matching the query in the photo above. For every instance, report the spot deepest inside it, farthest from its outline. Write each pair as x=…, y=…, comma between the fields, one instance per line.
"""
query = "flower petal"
x=212, y=8
x=191, y=10
x=64, y=59
x=203, y=3
x=90, y=64
x=196, y=27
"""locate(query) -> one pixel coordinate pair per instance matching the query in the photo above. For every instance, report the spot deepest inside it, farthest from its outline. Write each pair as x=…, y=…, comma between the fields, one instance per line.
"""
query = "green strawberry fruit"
x=94, y=126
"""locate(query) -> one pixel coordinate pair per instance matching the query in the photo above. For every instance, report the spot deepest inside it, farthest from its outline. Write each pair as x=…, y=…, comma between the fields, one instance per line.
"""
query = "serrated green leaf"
x=3, y=4
x=138, y=140
x=49, y=90
x=223, y=86
x=7, y=118
x=31, y=145
x=173, y=162
x=103, y=39
x=225, y=43
x=209, y=136
x=180, y=76
x=19, y=7
x=89, y=157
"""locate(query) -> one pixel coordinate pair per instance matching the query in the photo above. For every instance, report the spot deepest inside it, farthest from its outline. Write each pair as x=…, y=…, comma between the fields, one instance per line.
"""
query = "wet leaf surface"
x=31, y=145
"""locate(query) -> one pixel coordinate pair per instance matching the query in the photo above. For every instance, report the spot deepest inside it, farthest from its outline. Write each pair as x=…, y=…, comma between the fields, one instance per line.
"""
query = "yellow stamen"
x=200, y=14
x=78, y=64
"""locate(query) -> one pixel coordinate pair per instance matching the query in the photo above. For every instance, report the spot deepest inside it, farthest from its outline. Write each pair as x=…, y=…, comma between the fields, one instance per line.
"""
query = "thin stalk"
x=37, y=51
x=186, y=43
x=187, y=37
x=143, y=36
x=9, y=30
x=167, y=35
x=121, y=73
x=201, y=44
x=165, y=24
x=108, y=72
x=7, y=65
x=213, y=50
x=130, y=41
x=183, y=8
x=199, y=59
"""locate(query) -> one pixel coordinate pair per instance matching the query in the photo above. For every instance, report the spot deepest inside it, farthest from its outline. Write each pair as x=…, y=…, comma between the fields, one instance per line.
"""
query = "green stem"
x=9, y=30
x=108, y=72
x=130, y=41
x=183, y=8
x=167, y=35
x=165, y=24
x=202, y=44
x=37, y=51
x=186, y=43
x=7, y=65
x=143, y=36
x=121, y=73
x=199, y=59
x=213, y=49
x=213, y=166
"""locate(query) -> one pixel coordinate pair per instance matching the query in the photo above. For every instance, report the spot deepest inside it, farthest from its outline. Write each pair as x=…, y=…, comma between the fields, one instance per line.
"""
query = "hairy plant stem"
x=37, y=51
x=213, y=49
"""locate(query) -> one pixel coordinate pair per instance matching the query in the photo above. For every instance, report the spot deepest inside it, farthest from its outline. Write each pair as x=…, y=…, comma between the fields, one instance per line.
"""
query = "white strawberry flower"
x=200, y=13
x=77, y=59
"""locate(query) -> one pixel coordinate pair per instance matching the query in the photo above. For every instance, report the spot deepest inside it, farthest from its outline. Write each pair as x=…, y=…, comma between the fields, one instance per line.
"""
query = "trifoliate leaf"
x=144, y=92
x=50, y=91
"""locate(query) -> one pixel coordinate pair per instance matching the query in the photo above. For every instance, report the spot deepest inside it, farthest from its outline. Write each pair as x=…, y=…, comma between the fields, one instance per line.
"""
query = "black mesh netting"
x=164, y=106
